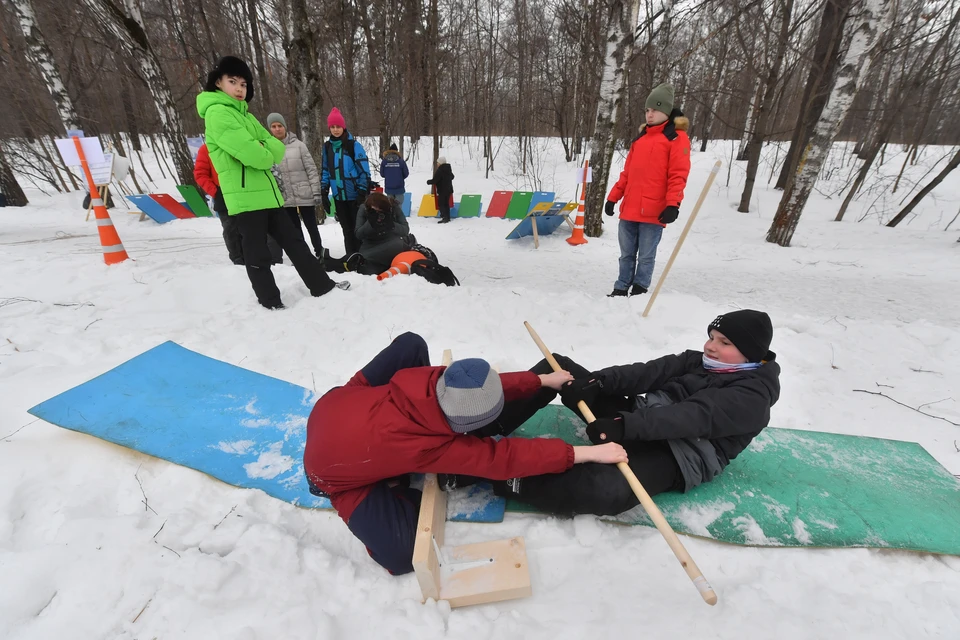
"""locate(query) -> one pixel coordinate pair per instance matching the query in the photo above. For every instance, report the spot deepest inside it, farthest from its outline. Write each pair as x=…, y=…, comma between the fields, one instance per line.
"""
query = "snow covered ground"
x=97, y=541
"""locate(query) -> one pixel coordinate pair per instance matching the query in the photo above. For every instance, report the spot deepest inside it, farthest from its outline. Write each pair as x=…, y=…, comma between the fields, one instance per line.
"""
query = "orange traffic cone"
x=113, y=251
x=401, y=264
x=577, y=236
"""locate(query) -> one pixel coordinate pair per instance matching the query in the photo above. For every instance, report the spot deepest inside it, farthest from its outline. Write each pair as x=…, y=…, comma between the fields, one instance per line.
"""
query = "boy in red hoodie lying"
x=398, y=415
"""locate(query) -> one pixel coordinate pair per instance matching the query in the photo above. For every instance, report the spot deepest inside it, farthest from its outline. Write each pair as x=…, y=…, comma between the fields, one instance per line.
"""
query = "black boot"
x=637, y=290
x=443, y=220
x=618, y=293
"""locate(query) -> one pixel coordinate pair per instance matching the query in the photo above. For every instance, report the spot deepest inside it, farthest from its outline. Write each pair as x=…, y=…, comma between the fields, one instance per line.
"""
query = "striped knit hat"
x=470, y=394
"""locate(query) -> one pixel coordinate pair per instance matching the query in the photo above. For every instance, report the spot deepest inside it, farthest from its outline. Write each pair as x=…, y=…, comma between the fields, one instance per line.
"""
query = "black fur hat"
x=231, y=66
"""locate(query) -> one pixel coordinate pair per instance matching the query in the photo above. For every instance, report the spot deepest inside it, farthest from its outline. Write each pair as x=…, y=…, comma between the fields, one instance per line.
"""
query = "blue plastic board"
x=239, y=426
x=540, y=196
x=545, y=226
x=407, y=203
x=152, y=208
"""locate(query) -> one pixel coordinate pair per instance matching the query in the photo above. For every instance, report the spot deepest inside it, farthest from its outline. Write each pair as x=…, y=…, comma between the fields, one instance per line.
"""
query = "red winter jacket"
x=358, y=435
x=655, y=173
x=204, y=172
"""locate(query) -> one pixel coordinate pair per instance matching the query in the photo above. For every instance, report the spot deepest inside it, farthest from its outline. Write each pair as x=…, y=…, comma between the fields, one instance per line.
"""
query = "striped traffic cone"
x=401, y=264
x=577, y=236
x=113, y=251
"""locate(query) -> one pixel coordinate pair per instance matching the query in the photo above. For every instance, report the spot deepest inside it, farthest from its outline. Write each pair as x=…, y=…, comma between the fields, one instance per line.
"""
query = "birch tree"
x=124, y=24
x=621, y=22
x=854, y=66
x=43, y=59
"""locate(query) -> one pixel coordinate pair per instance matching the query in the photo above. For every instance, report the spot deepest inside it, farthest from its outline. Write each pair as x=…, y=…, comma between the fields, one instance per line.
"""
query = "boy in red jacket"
x=398, y=415
x=651, y=186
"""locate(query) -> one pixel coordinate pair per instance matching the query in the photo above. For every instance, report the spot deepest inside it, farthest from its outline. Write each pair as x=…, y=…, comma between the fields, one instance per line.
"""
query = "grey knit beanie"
x=661, y=98
x=470, y=394
x=276, y=117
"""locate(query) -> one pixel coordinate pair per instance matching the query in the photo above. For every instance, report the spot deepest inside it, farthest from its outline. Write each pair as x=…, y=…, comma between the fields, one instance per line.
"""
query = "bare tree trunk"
x=125, y=25
x=303, y=71
x=755, y=147
x=822, y=71
x=854, y=67
x=434, y=79
x=750, y=124
x=264, y=86
x=46, y=65
x=621, y=23
x=953, y=164
x=375, y=75
x=9, y=186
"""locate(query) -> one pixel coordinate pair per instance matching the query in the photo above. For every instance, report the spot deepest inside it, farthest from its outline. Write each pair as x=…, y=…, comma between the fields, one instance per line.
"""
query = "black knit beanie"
x=231, y=66
x=750, y=331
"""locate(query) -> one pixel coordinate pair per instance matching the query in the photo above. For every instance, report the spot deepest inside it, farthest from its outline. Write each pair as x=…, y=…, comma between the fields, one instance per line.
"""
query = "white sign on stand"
x=102, y=171
x=589, y=175
x=91, y=149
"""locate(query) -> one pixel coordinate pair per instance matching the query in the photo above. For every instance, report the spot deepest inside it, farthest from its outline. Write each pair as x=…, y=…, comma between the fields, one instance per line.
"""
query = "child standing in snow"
x=442, y=182
x=398, y=415
x=243, y=153
x=681, y=418
x=651, y=186
x=346, y=171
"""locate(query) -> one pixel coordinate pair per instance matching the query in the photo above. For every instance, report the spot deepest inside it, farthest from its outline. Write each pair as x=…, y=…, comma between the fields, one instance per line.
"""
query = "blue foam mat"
x=244, y=428
x=546, y=224
x=152, y=208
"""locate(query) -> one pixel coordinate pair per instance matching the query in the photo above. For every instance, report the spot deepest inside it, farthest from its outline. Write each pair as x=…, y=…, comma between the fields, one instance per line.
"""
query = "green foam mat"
x=805, y=489
x=519, y=205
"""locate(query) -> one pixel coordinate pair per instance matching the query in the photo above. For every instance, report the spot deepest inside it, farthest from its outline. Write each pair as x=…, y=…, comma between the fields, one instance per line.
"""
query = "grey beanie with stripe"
x=470, y=394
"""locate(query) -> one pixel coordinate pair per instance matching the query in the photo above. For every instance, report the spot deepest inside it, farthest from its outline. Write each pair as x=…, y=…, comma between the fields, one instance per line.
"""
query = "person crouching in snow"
x=651, y=186
x=383, y=232
x=681, y=418
x=399, y=415
x=243, y=153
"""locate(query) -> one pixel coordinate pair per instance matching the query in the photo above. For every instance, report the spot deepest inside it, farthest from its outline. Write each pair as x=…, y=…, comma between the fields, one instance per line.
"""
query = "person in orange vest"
x=651, y=188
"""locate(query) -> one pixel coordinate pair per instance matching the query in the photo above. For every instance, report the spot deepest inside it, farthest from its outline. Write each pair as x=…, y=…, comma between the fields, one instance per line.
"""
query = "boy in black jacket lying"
x=682, y=418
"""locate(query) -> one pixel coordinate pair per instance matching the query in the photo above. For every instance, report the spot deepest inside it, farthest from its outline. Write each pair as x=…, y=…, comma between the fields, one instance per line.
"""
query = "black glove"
x=608, y=208
x=669, y=215
x=380, y=221
x=361, y=197
x=603, y=430
x=430, y=181
x=325, y=197
x=586, y=389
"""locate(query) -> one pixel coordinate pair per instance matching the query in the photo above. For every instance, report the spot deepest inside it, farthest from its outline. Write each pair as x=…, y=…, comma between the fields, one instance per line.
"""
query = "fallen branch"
x=225, y=517
x=144, y=501
x=917, y=409
x=19, y=430
x=142, y=610
x=922, y=370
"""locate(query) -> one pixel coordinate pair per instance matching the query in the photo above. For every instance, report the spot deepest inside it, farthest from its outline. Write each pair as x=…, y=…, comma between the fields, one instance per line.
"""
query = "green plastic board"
x=806, y=489
x=194, y=200
x=519, y=205
x=469, y=206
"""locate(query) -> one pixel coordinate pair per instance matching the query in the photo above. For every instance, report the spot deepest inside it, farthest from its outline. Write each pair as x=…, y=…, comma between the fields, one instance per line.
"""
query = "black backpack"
x=434, y=272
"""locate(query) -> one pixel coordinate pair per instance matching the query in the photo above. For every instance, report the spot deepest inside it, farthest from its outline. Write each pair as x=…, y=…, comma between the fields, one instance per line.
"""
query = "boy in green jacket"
x=243, y=152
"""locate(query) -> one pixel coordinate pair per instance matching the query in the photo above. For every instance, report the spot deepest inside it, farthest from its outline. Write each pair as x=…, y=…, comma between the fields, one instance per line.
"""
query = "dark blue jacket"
x=394, y=171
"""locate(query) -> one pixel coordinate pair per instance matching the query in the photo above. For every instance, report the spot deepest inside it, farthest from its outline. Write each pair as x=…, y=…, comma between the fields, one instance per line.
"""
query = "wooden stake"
x=706, y=591
x=683, y=236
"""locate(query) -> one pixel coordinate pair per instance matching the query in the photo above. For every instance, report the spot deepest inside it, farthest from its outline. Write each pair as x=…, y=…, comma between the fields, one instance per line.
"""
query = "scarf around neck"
x=715, y=366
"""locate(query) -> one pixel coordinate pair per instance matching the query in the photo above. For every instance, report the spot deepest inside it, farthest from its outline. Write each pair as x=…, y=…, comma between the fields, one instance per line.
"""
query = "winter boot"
x=354, y=262
x=443, y=220
x=618, y=293
x=637, y=290
x=452, y=481
x=343, y=285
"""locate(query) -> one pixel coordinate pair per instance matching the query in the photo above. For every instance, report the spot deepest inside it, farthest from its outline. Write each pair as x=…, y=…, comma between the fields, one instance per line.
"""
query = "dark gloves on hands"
x=380, y=221
x=608, y=208
x=361, y=197
x=605, y=430
x=585, y=389
x=430, y=181
x=325, y=200
x=668, y=215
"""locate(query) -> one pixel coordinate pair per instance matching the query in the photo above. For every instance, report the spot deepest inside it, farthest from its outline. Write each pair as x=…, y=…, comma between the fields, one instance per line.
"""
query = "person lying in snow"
x=681, y=418
x=398, y=415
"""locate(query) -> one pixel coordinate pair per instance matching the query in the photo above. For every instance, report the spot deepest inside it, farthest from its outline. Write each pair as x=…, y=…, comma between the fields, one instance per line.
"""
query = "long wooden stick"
x=706, y=591
x=683, y=236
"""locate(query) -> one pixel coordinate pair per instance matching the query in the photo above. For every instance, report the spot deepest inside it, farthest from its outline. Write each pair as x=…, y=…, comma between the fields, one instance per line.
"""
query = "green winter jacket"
x=242, y=152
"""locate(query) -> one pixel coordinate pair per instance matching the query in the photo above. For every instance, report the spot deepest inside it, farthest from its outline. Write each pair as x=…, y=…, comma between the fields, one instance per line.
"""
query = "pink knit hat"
x=335, y=119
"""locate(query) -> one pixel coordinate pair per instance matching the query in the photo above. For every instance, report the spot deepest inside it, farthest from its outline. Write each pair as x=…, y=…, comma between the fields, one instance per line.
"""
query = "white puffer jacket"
x=300, y=180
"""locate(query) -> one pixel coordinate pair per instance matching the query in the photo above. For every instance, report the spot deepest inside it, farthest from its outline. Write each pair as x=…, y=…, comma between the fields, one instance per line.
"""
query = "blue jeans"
x=638, y=253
